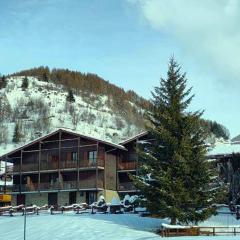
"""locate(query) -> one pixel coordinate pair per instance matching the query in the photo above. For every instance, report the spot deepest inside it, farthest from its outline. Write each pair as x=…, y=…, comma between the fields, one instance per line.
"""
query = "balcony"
x=127, y=165
x=126, y=186
x=25, y=187
x=48, y=165
x=26, y=167
x=68, y=164
x=16, y=168
x=30, y=167
x=66, y=185
x=88, y=164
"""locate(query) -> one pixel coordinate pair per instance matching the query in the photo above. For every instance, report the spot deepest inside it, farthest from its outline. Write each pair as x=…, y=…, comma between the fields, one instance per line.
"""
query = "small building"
x=226, y=156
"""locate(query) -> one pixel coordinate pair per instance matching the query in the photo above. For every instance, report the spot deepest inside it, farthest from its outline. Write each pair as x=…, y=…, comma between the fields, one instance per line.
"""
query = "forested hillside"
x=37, y=101
x=31, y=107
x=88, y=84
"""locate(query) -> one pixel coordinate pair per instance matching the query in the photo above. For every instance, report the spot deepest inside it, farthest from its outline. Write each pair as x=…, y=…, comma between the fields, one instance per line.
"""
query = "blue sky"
x=129, y=42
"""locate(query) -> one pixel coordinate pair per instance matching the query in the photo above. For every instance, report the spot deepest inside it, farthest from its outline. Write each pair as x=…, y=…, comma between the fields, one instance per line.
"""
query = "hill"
x=35, y=102
x=27, y=112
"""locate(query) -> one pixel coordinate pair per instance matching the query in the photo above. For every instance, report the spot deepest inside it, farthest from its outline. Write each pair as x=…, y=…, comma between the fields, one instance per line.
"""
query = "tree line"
x=85, y=82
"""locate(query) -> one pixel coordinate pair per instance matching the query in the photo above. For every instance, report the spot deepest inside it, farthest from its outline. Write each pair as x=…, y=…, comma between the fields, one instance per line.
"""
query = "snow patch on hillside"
x=42, y=108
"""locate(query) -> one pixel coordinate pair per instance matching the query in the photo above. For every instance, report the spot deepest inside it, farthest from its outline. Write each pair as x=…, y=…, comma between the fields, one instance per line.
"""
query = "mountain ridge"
x=38, y=104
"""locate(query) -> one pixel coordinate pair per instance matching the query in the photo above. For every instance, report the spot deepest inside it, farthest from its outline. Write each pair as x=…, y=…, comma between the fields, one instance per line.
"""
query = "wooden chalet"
x=65, y=167
x=226, y=157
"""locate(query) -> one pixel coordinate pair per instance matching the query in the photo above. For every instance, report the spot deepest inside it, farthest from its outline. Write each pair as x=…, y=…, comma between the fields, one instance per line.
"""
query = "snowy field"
x=71, y=226
x=78, y=226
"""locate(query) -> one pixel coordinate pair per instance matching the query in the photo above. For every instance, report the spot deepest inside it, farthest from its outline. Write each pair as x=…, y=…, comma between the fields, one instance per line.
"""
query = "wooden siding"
x=110, y=172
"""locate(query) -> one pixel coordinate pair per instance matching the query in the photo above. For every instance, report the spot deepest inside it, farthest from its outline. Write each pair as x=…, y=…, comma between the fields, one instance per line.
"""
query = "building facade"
x=64, y=167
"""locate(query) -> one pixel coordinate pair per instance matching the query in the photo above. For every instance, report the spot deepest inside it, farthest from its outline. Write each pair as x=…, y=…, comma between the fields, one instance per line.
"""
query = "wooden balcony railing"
x=127, y=165
x=9, y=169
x=66, y=185
x=48, y=186
x=126, y=186
x=44, y=165
x=85, y=164
x=68, y=164
x=16, y=167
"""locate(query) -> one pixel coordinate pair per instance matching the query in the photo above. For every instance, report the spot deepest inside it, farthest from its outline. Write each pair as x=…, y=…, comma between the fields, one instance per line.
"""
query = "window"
x=92, y=157
x=81, y=193
x=74, y=156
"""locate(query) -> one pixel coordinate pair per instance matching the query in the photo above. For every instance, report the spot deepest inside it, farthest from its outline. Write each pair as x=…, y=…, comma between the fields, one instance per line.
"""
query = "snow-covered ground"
x=99, y=226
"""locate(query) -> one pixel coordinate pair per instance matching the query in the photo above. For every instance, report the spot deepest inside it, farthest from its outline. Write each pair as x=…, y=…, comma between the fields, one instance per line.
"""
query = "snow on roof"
x=225, y=148
x=142, y=134
x=168, y=226
x=10, y=151
x=96, y=139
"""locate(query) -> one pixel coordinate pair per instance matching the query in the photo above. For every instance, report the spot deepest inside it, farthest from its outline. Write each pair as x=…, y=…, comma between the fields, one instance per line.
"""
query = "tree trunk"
x=173, y=221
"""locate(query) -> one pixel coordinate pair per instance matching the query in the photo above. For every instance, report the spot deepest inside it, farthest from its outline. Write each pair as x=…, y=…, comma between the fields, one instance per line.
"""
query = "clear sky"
x=129, y=42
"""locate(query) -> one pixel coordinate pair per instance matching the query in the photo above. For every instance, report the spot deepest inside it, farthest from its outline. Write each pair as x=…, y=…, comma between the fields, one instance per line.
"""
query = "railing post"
x=59, y=158
x=39, y=166
x=5, y=174
x=214, y=231
x=234, y=231
x=97, y=165
x=78, y=163
x=136, y=162
x=117, y=165
x=104, y=164
x=21, y=171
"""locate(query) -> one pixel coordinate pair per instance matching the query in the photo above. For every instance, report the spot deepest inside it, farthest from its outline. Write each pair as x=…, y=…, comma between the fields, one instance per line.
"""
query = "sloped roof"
x=226, y=148
x=142, y=134
x=118, y=146
x=236, y=139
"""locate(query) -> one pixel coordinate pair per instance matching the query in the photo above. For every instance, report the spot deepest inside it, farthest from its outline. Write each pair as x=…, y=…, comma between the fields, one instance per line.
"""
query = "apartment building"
x=65, y=167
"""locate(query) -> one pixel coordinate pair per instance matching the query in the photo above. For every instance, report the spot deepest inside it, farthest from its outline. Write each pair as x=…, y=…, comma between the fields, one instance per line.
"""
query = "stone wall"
x=39, y=199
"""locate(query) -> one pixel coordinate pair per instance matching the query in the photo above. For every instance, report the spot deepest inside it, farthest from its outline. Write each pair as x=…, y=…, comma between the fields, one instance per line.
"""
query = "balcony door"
x=92, y=158
x=72, y=197
x=52, y=198
x=90, y=197
x=20, y=199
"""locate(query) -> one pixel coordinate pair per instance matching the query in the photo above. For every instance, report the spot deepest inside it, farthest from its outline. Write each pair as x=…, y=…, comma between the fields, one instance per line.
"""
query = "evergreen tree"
x=45, y=77
x=70, y=97
x=25, y=83
x=174, y=175
x=3, y=82
x=16, y=134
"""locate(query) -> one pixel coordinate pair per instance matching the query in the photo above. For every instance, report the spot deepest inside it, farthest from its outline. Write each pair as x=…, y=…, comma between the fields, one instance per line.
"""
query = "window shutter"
x=85, y=156
x=69, y=157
